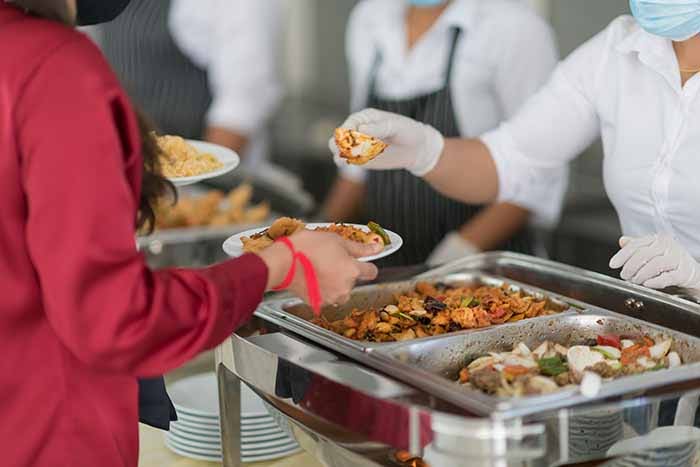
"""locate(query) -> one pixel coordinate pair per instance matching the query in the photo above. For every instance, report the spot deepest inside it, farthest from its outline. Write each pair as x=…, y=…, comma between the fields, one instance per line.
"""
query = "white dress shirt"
x=624, y=84
x=505, y=54
x=236, y=41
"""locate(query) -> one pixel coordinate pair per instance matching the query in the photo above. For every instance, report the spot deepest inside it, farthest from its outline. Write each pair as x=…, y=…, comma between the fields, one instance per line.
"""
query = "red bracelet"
x=292, y=270
x=310, y=276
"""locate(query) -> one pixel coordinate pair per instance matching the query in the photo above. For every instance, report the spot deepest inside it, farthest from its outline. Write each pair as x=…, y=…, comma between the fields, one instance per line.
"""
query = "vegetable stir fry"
x=549, y=367
x=432, y=310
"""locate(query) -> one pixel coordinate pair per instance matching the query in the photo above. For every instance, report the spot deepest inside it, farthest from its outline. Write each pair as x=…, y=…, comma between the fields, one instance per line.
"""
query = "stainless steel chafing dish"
x=358, y=402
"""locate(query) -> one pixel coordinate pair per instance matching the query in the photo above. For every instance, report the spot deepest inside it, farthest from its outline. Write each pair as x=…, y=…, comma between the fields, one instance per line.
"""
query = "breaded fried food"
x=257, y=242
x=358, y=148
x=284, y=227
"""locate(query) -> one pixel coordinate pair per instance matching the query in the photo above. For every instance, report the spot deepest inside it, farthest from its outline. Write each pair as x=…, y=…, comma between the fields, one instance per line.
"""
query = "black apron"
x=160, y=79
x=407, y=204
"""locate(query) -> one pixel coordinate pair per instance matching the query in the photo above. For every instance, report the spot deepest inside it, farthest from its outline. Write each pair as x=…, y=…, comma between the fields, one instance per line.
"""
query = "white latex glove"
x=657, y=262
x=451, y=248
x=413, y=146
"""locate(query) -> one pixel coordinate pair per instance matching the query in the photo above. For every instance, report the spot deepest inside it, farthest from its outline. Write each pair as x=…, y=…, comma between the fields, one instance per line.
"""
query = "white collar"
x=461, y=13
x=653, y=51
x=643, y=42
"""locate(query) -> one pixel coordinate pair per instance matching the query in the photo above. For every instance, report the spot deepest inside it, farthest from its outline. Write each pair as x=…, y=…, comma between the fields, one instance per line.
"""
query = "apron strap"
x=378, y=59
x=456, y=35
x=374, y=71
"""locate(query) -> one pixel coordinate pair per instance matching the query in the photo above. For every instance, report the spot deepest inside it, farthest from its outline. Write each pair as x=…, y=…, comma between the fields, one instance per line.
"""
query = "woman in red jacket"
x=81, y=315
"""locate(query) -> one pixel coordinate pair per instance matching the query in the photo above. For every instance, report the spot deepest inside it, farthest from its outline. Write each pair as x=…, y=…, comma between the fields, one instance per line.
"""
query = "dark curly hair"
x=153, y=185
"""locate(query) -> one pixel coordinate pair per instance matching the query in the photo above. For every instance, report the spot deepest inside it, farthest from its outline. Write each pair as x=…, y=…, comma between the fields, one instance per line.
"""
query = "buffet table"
x=360, y=403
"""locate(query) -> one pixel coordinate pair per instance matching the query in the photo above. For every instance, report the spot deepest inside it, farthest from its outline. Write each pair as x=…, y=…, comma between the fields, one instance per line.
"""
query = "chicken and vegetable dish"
x=551, y=366
x=432, y=310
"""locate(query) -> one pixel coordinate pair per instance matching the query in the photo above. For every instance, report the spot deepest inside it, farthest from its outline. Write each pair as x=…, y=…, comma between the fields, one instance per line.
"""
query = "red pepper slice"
x=610, y=340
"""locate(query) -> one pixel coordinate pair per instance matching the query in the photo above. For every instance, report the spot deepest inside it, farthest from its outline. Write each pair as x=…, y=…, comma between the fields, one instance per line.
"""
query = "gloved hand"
x=413, y=146
x=451, y=248
x=657, y=262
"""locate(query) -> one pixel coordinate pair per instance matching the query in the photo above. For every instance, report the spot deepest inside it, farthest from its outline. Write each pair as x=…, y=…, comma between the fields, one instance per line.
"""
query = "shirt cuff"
x=539, y=190
x=352, y=173
x=240, y=284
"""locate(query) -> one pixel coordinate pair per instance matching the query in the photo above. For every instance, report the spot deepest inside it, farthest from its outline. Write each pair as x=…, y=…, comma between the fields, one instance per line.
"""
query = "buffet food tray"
x=435, y=362
x=297, y=314
x=432, y=363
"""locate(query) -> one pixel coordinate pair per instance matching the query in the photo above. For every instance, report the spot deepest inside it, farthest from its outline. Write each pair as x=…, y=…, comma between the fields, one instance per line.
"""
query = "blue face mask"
x=677, y=20
x=426, y=3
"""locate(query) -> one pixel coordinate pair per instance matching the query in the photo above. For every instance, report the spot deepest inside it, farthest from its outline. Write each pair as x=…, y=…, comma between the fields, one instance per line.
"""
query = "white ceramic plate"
x=197, y=427
x=657, y=439
x=197, y=399
x=207, y=450
x=217, y=457
x=233, y=246
x=212, y=424
x=216, y=438
x=226, y=156
x=254, y=447
x=247, y=431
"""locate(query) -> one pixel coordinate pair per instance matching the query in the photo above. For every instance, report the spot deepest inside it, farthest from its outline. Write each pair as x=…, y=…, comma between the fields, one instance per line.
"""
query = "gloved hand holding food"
x=657, y=262
x=380, y=140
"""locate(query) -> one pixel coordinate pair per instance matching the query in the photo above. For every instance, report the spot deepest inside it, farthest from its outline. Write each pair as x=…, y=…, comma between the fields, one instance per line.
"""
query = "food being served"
x=287, y=226
x=358, y=148
x=212, y=209
x=432, y=310
x=551, y=366
x=180, y=159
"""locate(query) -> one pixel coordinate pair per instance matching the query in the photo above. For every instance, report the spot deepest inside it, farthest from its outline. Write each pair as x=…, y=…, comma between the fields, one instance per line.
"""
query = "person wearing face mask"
x=461, y=66
x=636, y=84
x=82, y=315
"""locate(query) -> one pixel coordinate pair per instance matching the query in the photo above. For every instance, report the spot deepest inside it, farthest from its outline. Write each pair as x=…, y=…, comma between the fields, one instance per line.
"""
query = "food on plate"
x=178, y=158
x=432, y=310
x=406, y=459
x=287, y=226
x=353, y=233
x=551, y=366
x=358, y=148
x=212, y=209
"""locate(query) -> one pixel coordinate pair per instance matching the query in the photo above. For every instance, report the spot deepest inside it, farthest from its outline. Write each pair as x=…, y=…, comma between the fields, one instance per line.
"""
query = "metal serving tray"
x=297, y=315
x=435, y=362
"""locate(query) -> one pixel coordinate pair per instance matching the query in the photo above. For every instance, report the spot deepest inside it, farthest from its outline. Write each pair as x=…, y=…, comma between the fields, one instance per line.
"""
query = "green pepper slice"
x=376, y=228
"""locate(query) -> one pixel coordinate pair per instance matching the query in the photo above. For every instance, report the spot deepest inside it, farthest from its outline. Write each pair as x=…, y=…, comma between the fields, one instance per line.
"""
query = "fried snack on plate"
x=358, y=148
x=282, y=227
x=180, y=159
x=256, y=243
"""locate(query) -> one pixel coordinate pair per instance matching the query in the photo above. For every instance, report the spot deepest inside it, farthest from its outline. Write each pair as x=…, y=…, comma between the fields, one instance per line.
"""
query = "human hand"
x=657, y=262
x=412, y=145
x=454, y=246
x=334, y=260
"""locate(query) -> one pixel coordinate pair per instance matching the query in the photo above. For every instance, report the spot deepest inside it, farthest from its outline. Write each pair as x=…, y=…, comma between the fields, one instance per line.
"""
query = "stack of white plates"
x=197, y=433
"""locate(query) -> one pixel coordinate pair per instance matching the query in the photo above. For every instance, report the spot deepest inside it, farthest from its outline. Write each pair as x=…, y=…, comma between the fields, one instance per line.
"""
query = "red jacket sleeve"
x=81, y=162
